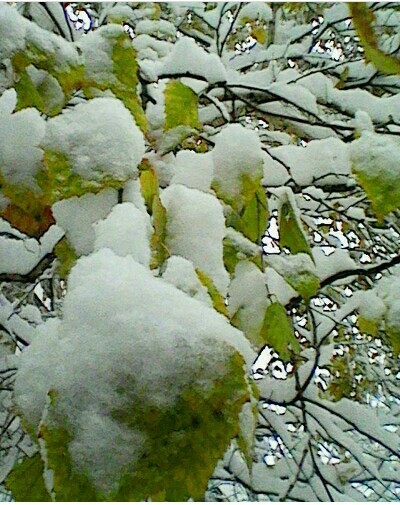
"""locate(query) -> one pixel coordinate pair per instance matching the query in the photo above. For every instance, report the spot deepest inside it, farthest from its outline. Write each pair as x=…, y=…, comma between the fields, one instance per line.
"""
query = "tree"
x=199, y=251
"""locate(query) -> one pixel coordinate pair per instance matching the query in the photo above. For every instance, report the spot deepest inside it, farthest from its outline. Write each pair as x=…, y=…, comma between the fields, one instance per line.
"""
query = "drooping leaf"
x=126, y=69
x=215, y=295
x=148, y=185
x=394, y=337
x=66, y=256
x=305, y=283
x=236, y=247
x=254, y=216
x=368, y=326
x=247, y=427
x=69, y=484
x=26, y=481
x=183, y=443
x=363, y=20
x=278, y=331
x=382, y=189
x=181, y=107
x=291, y=233
x=158, y=248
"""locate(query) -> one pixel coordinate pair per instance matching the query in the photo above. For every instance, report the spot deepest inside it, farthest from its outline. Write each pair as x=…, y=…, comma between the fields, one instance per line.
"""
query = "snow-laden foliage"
x=199, y=264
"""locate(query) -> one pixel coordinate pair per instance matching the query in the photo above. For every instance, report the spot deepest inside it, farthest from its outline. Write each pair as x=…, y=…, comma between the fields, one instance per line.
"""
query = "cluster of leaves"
x=324, y=384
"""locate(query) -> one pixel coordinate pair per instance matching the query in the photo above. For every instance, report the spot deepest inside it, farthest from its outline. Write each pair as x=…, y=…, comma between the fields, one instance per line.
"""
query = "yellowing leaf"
x=26, y=481
x=183, y=441
x=291, y=233
x=368, y=326
x=305, y=283
x=215, y=295
x=254, y=217
x=278, y=331
x=66, y=257
x=180, y=106
x=363, y=19
x=149, y=186
x=383, y=190
x=259, y=33
x=158, y=248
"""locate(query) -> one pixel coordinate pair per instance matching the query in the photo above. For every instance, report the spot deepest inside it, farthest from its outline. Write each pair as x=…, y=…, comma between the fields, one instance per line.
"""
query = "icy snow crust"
x=125, y=339
x=99, y=137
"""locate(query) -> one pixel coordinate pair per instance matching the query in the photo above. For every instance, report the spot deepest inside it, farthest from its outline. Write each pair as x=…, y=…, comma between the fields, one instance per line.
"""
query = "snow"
x=100, y=139
x=49, y=87
x=16, y=33
x=371, y=306
x=187, y=57
x=12, y=31
x=150, y=48
x=124, y=335
x=245, y=158
x=362, y=122
x=125, y=231
x=97, y=49
x=320, y=162
x=21, y=255
x=194, y=170
x=255, y=10
x=293, y=265
x=76, y=216
x=21, y=134
x=296, y=95
x=277, y=286
x=239, y=241
x=380, y=109
x=181, y=273
x=336, y=262
x=158, y=27
x=376, y=155
x=196, y=229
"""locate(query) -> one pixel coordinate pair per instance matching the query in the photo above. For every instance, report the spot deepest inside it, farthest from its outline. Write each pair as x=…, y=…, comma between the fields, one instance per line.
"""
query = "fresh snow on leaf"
x=114, y=300
x=99, y=138
x=126, y=232
x=195, y=230
x=376, y=160
x=187, y=57
x=76, y=216
x=21, y=134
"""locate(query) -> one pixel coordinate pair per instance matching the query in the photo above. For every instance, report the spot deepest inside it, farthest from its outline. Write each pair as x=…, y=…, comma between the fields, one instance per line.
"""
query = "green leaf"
x=255, y=215
x=57, y=180
x=363, y=19
x=66, y=256
x=159, y=250
x=126, y=69
x=181, y=108
x=149, y=186
x=26, y=482
x=278, y=331
x=383, y=189
x=69, y=484
x=216, y=297
x=394, y=336
x=184, y=441
x=305, y=283
x=247, y=427
x=236, y=247
x=368, y=326
x=291, y=233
